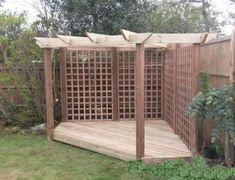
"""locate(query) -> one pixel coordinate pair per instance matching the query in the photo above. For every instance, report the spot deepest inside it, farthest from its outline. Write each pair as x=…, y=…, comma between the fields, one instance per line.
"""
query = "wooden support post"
x=115, y=84
x=139, y=100
x=63, y=84
x=198, y=139
x=49, y=93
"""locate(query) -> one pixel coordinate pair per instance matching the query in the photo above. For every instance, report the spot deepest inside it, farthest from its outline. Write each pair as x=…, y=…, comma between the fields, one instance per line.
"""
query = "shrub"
x=216, y=104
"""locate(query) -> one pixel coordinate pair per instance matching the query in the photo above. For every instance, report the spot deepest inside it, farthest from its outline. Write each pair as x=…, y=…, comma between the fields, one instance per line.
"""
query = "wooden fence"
x=11, y=89
x=182, y=66
x=215, y=61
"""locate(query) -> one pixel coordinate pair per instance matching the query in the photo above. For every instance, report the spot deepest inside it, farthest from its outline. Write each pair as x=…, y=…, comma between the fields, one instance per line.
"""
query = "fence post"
x=139, y=100
x=49, y=92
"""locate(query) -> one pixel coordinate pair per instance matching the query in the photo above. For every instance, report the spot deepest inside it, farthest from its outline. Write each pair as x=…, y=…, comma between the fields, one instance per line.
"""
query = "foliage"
x=100, y=16
x=19, y=54
x=10, y=27
x=216, y=104
x=181, y=16
x=32, y=157
x=108, y=17
x=30, y=111
x=180, y=169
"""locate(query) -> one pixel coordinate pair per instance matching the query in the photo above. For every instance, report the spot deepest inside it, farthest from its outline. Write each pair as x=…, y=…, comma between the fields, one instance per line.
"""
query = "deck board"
x=118, y=138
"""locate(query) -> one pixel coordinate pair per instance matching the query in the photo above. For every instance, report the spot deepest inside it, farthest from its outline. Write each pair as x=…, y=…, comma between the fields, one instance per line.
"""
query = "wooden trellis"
x=126, y=84
x=133, y=76
x=181, y=83
x=169, y=87
x=89, y=84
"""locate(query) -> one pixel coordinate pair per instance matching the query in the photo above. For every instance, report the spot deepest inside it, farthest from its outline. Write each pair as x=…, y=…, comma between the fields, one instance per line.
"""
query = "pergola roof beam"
x=127, y=39
x=107, y=39
x=73, y=41
x=45, y=42
x=154, y=38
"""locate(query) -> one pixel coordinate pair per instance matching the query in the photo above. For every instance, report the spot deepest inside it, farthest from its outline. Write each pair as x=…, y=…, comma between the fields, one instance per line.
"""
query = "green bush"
x=216, y=104
x=183, y=170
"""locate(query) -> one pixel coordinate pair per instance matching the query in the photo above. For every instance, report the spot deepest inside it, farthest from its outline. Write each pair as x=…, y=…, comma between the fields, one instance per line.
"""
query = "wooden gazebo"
x=125, y=95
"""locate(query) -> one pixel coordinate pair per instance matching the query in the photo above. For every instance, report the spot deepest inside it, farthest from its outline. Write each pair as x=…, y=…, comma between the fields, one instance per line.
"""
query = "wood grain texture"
x=139, y=100
x=118, y=139
x=49, y=93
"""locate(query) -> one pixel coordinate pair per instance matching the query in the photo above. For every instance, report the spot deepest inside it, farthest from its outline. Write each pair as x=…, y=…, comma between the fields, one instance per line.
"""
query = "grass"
x=32, y=157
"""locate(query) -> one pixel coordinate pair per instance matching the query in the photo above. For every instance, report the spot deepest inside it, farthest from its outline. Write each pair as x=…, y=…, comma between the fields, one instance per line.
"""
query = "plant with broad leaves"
x=216, y=104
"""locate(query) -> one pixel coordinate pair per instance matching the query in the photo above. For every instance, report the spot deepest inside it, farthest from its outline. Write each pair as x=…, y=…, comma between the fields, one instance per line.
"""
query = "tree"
x=49, y=14
x=100, y=16
x=181, y=16
x=18, y=52
x=10, y=28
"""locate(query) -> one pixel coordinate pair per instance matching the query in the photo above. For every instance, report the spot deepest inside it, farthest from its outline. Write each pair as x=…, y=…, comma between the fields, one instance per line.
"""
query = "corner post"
x=139, y=100
x=49, y=93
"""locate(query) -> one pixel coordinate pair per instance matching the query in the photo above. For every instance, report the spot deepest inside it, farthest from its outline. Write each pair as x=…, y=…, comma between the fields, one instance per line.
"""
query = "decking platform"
x=118, y=139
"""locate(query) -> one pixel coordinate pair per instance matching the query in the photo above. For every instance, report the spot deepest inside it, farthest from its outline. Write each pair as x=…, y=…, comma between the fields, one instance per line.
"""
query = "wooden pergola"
x=137, y=42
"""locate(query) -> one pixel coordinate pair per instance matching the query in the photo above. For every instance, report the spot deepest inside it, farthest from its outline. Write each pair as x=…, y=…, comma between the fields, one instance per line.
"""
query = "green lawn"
x=32, y=157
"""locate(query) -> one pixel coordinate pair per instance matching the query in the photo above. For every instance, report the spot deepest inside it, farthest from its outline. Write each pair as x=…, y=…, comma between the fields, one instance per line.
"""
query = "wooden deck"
x=118, y=139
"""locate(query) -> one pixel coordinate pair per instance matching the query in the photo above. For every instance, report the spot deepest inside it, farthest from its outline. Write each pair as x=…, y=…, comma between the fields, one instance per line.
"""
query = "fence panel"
x=12, y=90
x=215, y=61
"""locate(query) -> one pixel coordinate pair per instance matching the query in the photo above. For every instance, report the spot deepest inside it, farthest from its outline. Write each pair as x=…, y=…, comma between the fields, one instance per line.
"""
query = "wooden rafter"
x=73, y=41
x=127, y=39
x=45, y=42
x=107, y=39
x=153, y=38
x=135, y=37
x=126, y=34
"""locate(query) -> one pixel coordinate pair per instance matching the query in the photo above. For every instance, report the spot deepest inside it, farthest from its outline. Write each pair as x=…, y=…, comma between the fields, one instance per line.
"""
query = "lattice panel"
x=126, y=84
x=185, y=127
x=89, y=88
x=169, y=88
x=178, y=92
x=153, y=84
x=89, y=85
